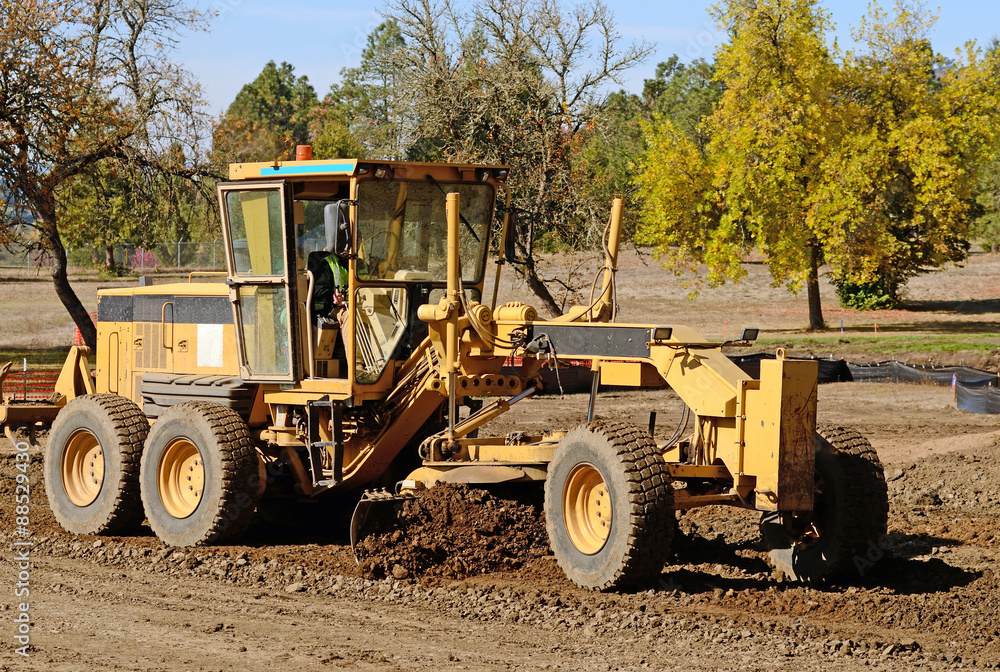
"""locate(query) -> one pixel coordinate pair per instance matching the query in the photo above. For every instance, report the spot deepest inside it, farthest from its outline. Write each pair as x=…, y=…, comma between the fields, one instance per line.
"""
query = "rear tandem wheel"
x=199, y=476
x=839, y=537
x=91, y=464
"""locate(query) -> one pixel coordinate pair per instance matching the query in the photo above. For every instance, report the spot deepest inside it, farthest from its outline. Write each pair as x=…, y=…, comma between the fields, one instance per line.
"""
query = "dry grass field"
x=949, y=316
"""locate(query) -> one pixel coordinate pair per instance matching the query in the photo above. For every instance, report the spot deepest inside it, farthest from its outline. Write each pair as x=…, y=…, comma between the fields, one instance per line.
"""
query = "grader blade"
x=376, y=510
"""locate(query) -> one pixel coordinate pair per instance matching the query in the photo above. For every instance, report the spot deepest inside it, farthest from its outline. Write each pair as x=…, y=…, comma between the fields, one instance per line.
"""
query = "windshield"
x=402, y=230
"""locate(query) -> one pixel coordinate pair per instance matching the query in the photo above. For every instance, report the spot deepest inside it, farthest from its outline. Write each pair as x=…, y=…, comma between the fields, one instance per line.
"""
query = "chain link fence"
x=140, y=259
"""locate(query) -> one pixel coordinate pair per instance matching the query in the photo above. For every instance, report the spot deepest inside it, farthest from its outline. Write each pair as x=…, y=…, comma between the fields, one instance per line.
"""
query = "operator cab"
x=385, y=222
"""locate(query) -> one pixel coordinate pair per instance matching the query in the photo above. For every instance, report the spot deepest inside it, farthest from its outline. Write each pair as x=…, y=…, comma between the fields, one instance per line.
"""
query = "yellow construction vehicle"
x=275, y=379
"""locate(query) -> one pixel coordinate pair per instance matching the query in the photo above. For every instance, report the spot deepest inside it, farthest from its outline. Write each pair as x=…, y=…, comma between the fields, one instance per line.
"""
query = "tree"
x=334, y=140
x=751, y=187
x=685, y=94
x=182, y=209
x=81, y=85
x=899, y=188
x=268, y=117
x=987, y=225
x=102, y=208
x=867, y=164
x=369, y=96
x=602, y=158
x=510, y=83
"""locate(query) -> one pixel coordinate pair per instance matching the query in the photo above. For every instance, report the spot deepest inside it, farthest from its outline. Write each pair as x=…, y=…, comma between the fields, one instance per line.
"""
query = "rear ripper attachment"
x=349, y=346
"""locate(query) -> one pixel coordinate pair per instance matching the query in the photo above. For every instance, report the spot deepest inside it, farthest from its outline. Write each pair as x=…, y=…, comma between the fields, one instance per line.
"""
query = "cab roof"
x=346, y=168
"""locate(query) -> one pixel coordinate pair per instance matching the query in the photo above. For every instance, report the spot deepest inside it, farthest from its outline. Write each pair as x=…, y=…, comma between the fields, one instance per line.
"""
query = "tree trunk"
x=539, y=289
x=60, y=278
x=526, y=243
x=109, y=258
x=812, y=289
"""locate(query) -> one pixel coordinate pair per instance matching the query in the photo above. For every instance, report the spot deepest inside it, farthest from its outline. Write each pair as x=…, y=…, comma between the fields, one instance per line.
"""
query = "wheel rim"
x=181, y=478
x=83, y=468
x=587, y=509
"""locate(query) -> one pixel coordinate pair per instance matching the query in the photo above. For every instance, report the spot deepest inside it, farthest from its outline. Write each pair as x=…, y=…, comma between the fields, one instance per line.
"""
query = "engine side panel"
x=169, y=329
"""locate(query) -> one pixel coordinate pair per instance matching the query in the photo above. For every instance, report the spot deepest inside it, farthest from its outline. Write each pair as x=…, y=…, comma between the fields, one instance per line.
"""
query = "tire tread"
x=130, y=428
x=868, y=493
x=863, y=508
x=239, y=467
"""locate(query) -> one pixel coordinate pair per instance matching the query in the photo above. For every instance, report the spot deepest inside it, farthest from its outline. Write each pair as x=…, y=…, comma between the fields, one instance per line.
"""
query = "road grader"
x=211, y=394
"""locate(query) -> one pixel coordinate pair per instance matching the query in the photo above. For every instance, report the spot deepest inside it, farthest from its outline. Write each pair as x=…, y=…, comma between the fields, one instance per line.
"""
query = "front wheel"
x=839, y=538
x=199, y=475
x=609, y=506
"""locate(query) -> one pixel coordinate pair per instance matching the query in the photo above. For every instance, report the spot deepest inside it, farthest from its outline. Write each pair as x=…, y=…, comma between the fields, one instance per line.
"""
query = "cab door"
x=258, y=262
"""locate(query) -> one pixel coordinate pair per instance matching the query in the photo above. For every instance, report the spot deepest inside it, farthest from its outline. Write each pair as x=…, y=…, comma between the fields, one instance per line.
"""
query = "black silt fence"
x=830, y=370
x=900, y=372
x=982, y=399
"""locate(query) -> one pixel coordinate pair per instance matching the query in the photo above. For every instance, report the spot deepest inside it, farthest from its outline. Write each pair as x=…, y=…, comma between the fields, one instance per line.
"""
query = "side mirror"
x=337, y=227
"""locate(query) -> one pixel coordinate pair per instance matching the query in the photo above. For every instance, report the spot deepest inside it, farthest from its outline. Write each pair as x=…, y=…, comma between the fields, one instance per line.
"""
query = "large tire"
x=91, y=465
x=199, y=474
x=837, y=540
x=609, y=507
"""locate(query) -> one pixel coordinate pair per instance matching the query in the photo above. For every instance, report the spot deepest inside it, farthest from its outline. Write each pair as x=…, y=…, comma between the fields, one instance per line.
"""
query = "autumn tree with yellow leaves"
x=865, y=160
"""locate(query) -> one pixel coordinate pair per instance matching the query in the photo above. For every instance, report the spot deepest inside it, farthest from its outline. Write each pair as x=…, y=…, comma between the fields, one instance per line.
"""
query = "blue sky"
x=319, y=38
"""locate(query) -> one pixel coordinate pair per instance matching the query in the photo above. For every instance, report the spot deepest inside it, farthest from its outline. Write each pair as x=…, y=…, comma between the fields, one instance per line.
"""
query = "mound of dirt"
x=454, y=532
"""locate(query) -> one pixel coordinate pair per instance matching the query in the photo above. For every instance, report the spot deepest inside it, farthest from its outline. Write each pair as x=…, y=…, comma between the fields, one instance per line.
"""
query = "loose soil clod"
x=454, y=532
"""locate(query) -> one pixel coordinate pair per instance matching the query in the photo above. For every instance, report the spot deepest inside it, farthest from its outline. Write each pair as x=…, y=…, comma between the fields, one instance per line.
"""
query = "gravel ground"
x=292, y=595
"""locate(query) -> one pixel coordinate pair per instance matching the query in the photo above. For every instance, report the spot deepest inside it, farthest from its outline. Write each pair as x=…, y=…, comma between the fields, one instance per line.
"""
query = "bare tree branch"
x=84, y=82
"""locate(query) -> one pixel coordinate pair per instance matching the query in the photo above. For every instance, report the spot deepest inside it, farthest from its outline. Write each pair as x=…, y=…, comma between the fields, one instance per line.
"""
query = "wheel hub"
x=181, y=478
x=587, y=509
x=83, y=468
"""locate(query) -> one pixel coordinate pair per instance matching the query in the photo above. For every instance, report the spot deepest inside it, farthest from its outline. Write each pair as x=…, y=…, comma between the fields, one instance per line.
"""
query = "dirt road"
x=292, y=597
